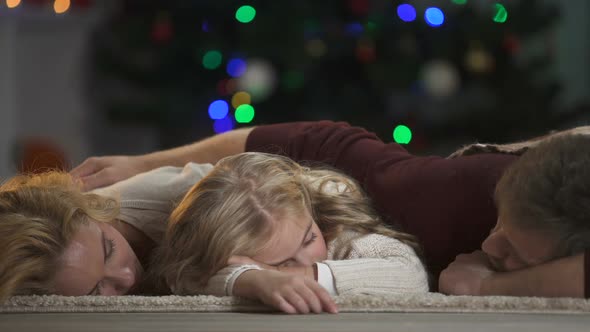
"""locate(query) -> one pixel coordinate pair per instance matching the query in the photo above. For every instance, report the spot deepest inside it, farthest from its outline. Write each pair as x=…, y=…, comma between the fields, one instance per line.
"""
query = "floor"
x=365, y=322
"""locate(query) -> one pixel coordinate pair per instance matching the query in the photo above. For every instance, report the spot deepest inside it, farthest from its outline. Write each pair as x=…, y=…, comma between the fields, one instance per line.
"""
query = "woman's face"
x=98, y=261
x=298, y=241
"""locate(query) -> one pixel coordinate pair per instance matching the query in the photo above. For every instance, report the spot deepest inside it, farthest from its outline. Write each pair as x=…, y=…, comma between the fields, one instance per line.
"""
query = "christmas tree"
x=417, y=72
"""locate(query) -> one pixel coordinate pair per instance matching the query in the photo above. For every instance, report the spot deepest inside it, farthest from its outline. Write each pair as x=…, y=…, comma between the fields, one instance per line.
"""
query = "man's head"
x=543, y=204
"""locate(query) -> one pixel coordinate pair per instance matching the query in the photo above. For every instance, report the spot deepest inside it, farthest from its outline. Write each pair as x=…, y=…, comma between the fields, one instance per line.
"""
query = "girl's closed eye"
x=311, y=239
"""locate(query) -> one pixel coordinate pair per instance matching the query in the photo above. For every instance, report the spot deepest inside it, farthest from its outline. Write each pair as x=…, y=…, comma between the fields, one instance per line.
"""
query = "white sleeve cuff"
x=231, y=279
x=326, y=279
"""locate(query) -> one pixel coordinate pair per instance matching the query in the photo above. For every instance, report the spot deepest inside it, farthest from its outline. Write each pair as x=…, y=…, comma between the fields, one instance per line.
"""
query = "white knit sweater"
x=376, y=263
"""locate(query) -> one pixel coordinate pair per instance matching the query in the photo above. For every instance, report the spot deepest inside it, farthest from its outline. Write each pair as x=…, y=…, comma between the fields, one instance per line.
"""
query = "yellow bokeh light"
x=240, y=98
x=61, y=6
x=316, y=48
x=12, y=3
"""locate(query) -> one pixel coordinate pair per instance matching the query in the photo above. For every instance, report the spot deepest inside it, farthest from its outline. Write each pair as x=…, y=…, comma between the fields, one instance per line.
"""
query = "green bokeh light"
x=501, y=13
x=245, y=14
x=460, y=2
x=212, y=59
x=244, y=113
x=293, y=80
x=402, y=134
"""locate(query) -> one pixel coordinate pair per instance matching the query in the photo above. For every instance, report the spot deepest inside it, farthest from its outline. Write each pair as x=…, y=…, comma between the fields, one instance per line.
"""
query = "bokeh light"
x=12, y=3
x=212, y=59
x=61, y=6
x=434, y=16
x=236, y=67
x=354, y=29
x=402, y=134
x=293, y=80
x=205, y=26
x=316, y=48
x=459, y=2
x=245, y=14
x=223, y=125
x=244, y=113
x=501, y=14
x=406, y=12
x=240, y=98
x=218, y=109
x=371, y=26
x=231, y=86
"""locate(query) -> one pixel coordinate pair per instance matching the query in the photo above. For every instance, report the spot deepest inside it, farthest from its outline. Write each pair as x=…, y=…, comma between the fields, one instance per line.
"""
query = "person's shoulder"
x=373, y=245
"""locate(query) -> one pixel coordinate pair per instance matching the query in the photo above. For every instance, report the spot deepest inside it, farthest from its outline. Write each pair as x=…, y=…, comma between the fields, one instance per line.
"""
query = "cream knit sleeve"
x=222, y=283
x=379, y=264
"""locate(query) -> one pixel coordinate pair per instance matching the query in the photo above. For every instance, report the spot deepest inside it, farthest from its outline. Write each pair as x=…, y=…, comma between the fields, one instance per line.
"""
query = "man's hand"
x=466, y=275
x=96, y=172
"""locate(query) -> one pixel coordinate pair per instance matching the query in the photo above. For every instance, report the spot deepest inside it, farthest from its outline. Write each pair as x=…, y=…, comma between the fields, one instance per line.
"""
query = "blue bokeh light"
x=218, y=109
x=223, y=125
x=406, y=12
x=354, y=29
x=434, y=16
x=236, y=67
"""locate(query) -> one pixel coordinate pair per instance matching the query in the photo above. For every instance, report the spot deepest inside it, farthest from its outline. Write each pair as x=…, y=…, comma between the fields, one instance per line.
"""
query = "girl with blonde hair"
x=263, y=227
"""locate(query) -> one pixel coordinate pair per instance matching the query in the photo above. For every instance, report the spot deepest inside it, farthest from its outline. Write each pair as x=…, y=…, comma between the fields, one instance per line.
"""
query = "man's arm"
x=209, y=150
x=98, y=172
x=560, y=278
x=471, y=274
x=351, y=149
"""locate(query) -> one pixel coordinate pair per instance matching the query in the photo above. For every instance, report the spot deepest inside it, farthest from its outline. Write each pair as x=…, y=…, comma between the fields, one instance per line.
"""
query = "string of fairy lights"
x=252, y=80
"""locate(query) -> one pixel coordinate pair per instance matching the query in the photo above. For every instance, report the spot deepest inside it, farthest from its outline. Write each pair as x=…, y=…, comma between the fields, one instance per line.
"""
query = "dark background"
x=131, y=76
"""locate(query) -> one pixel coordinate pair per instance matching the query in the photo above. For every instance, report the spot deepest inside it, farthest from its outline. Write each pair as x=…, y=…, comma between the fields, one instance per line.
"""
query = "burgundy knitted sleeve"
x=446, y=203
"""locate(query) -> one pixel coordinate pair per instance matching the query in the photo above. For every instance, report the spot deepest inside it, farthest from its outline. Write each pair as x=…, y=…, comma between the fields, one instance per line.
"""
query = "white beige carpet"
x=432, y=303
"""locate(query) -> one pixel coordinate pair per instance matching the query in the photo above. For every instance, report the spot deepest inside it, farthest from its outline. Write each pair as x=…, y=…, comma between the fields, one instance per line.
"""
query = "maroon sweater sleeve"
x=587, y=274
x=446, y=203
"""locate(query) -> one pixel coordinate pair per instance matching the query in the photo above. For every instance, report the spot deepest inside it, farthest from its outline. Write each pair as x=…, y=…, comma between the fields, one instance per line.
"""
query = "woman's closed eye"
x=311, y=239
x=109, y=250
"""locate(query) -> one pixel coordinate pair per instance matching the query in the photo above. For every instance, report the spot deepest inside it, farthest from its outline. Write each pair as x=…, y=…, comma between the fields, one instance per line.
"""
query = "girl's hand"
x=293, y=294
x=308, y=271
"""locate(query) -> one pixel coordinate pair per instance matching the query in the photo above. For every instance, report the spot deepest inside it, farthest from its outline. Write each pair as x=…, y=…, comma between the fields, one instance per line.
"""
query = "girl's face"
x=298, y=241
x=98, y=261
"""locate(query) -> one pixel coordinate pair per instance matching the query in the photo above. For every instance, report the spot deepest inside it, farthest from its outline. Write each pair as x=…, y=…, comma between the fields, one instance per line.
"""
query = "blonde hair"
x=234, y=209
x=38, y=216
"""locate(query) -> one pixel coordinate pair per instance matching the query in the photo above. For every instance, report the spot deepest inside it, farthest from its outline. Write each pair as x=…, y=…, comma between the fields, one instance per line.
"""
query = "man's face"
x=511, y=248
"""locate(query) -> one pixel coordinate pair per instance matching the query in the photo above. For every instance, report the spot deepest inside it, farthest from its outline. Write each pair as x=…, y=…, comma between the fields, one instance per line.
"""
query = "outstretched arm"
x=96, y=172
x=470, y=274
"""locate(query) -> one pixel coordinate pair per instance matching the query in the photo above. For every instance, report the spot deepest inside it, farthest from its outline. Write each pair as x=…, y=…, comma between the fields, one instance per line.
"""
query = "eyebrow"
x=104, y=254
x=302, y=241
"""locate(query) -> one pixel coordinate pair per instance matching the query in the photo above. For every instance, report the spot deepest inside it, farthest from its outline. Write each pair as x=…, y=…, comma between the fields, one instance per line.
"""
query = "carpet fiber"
x=432, y=302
